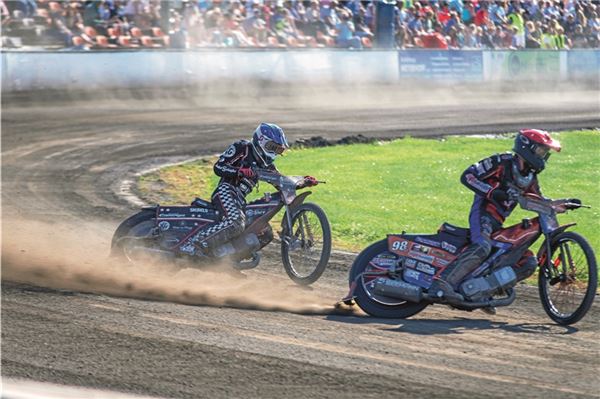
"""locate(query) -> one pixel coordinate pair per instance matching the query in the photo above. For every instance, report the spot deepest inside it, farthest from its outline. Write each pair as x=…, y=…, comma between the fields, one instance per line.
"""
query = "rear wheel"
x=374, y=262
x=306, y=249
x=568, y=287
x=134, y=241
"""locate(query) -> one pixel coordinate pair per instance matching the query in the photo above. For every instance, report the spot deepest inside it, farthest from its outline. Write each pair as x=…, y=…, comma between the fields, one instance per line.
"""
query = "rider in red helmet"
x=496, y=181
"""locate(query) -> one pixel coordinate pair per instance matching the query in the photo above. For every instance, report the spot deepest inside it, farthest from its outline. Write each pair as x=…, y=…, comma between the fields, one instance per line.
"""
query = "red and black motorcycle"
x=157, y=232
x=390, y=278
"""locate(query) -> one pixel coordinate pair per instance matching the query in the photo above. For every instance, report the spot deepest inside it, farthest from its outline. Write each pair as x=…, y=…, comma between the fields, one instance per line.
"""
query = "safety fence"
x=23, y=70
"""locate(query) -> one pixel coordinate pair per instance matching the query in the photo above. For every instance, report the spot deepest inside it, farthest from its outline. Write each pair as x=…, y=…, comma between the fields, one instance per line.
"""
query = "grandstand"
x=150, y=24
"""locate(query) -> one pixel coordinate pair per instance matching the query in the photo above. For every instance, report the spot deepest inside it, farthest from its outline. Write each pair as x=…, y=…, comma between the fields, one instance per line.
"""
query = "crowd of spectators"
x=503, y=24
x=458, y=24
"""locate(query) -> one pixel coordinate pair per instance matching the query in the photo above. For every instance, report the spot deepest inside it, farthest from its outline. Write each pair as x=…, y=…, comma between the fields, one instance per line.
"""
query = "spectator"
x=498, y=13
x=532, y=36
x=547, y=39
x=471, y=37
x=517, y=22
x=346, y=33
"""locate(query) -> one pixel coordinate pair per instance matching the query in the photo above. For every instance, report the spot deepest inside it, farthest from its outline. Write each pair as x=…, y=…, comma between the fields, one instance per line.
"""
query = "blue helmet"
x=269, y=141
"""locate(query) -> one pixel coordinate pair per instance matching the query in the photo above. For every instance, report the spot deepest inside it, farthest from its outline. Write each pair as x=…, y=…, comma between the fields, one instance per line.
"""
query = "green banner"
x=525, y=65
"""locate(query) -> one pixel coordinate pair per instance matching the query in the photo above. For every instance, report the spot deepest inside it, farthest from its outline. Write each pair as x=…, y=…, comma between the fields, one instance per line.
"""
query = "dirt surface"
x=70, y=316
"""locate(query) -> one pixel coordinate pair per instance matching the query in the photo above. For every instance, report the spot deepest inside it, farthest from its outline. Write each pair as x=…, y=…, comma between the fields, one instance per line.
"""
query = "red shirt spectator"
x=434, y=40
x=481, y=17
x=443, y=15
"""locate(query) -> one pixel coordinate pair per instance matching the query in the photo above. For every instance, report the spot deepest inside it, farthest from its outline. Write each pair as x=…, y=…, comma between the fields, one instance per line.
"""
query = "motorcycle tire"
x=303, y=260
x=371, y=303
x=579, y=284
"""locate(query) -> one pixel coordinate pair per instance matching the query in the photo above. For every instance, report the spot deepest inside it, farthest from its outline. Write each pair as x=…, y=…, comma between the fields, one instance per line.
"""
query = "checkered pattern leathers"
x=230, y=204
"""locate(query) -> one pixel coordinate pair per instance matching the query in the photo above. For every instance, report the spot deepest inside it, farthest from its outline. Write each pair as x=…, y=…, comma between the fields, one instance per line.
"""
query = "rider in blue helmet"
x=236, y=167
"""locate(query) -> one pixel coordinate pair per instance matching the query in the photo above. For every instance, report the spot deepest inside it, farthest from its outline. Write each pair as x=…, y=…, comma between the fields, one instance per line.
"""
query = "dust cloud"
x=237, y=94
x=75, y=257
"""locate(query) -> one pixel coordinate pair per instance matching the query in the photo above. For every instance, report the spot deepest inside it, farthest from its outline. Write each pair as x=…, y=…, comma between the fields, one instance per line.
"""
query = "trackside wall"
x=23, y=70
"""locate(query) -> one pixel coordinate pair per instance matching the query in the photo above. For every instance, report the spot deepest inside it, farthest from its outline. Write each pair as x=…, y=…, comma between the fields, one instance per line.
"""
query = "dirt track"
x=65, y=164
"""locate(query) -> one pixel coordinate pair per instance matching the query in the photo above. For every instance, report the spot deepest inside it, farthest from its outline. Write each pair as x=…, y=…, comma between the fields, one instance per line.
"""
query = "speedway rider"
x=496, y=181
x=236, y=167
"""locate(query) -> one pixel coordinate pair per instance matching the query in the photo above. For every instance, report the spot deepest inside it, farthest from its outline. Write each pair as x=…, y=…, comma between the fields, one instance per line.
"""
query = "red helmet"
x=534, y=145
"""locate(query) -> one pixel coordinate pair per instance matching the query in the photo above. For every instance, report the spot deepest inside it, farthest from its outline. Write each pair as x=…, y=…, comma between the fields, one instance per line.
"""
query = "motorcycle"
x=390, y=278
x=158, y=231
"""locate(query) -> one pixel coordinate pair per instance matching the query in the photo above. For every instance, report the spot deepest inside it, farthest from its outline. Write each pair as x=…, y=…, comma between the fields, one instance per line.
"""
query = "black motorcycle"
x=157, y=232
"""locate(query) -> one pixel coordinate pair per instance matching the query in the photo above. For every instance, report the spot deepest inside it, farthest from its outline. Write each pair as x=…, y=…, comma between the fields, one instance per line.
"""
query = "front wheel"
x=568, y=287
x=306, y=249
x=374, y=262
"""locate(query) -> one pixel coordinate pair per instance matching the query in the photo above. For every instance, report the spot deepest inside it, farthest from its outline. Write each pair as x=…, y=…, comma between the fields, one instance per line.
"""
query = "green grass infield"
x=409, y=184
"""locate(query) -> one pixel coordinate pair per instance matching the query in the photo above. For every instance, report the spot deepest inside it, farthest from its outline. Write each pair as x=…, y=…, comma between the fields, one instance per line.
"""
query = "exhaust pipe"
x=398, y=289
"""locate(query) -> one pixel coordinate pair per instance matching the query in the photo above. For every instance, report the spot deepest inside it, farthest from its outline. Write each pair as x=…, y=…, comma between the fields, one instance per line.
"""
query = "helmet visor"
x=272, y=146
x=542, y=151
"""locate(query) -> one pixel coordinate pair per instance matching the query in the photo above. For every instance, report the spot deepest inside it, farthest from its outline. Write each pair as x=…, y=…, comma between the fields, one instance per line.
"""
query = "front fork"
x=553, y=275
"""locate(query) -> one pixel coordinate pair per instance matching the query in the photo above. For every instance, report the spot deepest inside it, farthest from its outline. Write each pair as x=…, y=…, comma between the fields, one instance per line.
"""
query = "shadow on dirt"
x=456, y=325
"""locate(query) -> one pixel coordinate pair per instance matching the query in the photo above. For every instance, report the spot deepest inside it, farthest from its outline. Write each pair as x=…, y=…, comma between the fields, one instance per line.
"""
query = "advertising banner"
x=523, y=65
x=442, y=65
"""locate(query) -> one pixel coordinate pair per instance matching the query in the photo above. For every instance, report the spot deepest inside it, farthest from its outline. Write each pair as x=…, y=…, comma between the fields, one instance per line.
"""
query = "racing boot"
x=441, y=289
x=446, y=284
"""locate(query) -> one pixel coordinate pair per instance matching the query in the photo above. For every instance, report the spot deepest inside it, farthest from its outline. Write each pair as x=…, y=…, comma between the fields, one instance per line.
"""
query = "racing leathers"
x=238, y=179
x=496, y=181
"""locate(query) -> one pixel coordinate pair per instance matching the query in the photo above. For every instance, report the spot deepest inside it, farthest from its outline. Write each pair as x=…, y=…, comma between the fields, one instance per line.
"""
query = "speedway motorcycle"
x=390, y=278
x=305, y=234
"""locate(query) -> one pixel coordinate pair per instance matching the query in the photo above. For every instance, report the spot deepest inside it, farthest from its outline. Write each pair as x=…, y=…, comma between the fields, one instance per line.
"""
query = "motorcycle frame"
x=286, y=196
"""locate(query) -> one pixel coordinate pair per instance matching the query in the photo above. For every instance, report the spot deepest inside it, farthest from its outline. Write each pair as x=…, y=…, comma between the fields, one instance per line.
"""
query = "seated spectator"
x=58, y=28
x=434, y=40
x=256, y=28
x=562, y=41
x=547, y=38
x=26, y=8
x=233, y=33
x=488, y=37
x=346, y=37
x=471, y=37
x=532, y=36
x=360, y=23
x=579, y=38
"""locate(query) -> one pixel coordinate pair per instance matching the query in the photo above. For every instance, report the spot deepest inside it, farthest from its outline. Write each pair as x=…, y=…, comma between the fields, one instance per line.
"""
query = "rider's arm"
x=229, y=162
x=484, y=176
x=534, y=188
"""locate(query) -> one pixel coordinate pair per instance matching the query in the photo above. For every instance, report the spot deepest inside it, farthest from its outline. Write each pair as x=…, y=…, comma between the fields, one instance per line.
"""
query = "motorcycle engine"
x=490, y=285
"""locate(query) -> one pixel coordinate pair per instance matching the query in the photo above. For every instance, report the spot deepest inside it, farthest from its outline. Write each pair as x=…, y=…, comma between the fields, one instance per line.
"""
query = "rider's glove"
x=573, y=203
x=310, y=181
x=499, y=195
x=246, y=172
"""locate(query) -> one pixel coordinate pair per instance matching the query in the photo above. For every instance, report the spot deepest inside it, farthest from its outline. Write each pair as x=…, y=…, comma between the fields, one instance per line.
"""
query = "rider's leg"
x=482, y=225
x=232, y=224
x=526, y=265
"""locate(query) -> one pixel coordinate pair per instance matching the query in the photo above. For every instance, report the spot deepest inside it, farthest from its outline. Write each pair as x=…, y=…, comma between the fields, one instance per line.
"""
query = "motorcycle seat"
x=456, y=231
x=200, y=203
